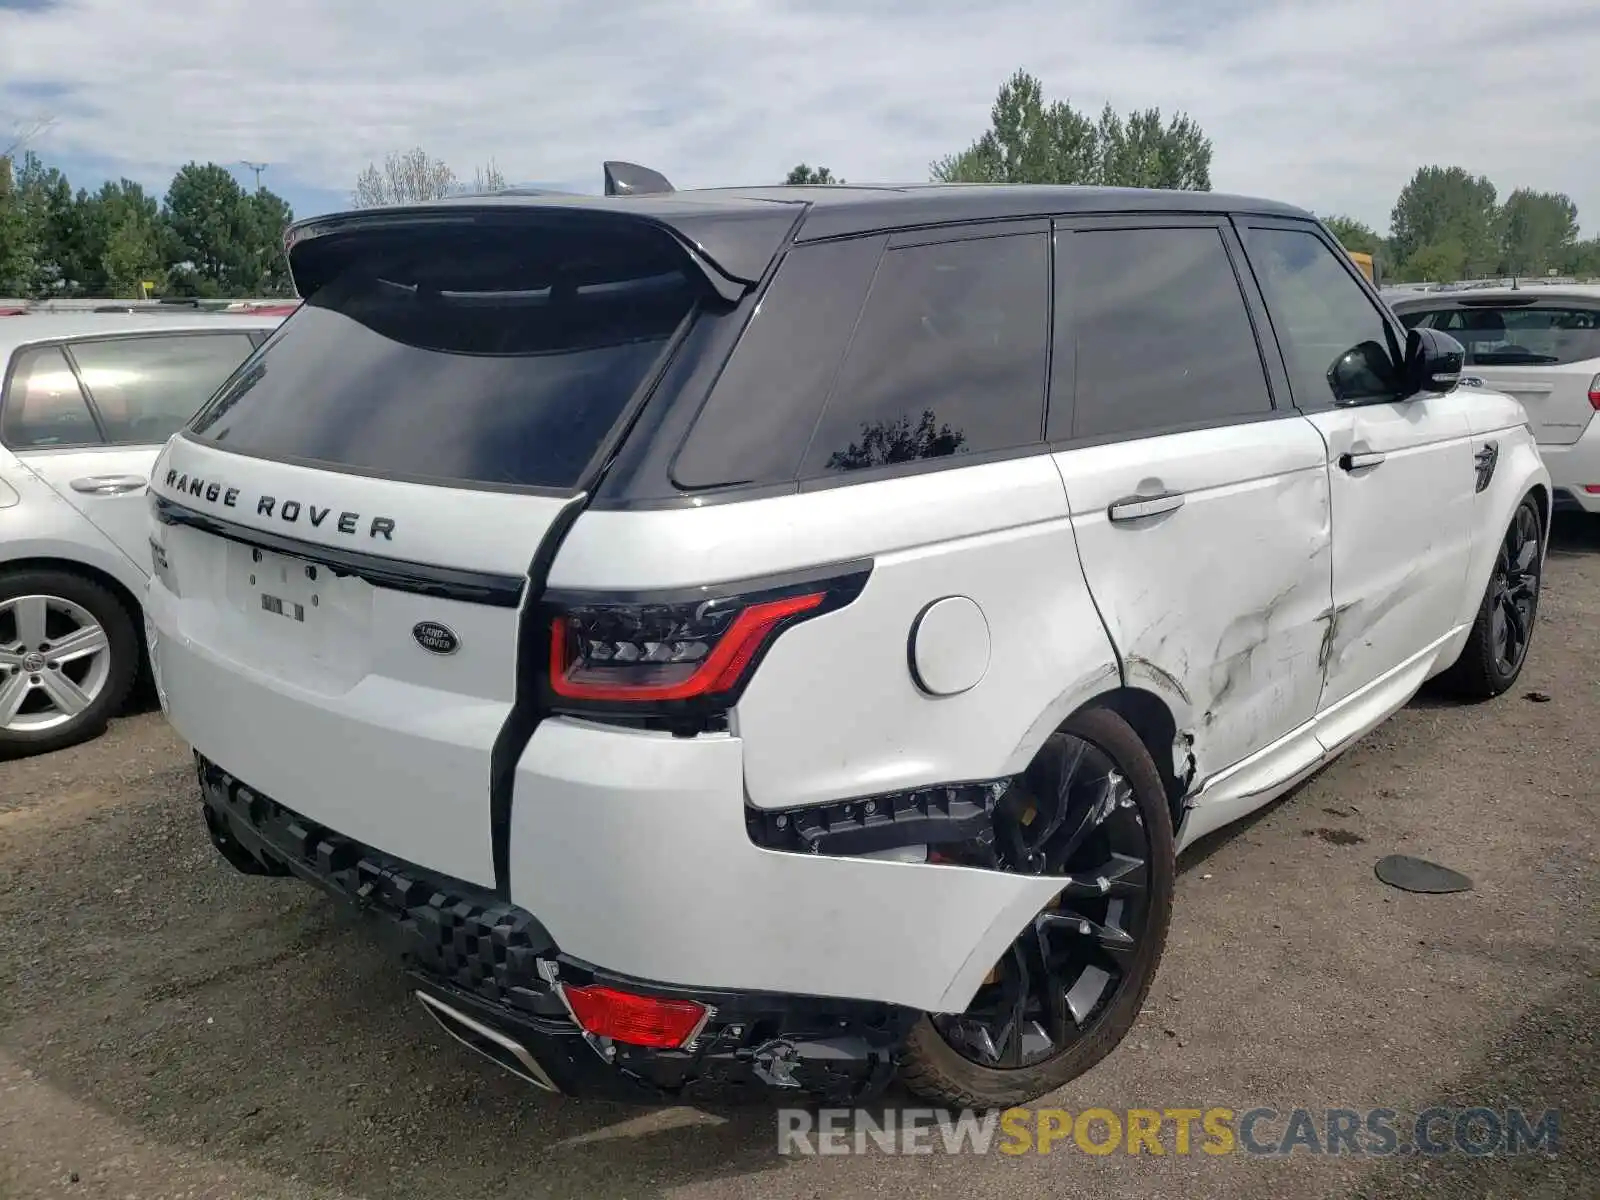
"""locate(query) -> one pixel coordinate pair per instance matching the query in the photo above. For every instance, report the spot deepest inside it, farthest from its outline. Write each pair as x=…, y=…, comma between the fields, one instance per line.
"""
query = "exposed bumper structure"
x=493, y=978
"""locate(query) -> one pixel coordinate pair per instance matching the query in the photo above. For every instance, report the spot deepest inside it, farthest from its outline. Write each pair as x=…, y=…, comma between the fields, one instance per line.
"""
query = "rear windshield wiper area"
x=1499, y=358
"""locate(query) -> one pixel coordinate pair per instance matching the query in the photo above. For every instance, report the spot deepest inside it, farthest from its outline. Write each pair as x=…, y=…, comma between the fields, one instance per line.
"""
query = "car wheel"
x=1092, y=809
x=1498, y=645
x=69, y=655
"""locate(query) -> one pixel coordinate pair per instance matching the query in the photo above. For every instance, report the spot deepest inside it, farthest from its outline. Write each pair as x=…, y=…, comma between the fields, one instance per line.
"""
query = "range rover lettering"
x=856, y=596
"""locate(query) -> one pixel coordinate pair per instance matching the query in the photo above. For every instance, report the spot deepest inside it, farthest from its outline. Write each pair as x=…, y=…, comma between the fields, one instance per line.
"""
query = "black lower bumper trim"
x=487, y=960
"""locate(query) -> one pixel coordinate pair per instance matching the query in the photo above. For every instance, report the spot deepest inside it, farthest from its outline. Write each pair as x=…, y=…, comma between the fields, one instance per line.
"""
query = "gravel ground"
x=171, y=1028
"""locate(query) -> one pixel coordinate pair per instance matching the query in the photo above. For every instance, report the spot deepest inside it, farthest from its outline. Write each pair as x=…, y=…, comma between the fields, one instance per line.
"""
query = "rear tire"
x=55, y=628
x=1497, y=647
x=933, y=1068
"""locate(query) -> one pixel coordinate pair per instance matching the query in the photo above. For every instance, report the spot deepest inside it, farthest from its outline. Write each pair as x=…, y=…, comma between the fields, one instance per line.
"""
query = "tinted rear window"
x=500, y=355
x=1517, y=336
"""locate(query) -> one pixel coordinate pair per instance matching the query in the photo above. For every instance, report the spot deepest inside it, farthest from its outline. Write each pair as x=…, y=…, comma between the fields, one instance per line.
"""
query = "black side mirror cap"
x=1433, y=362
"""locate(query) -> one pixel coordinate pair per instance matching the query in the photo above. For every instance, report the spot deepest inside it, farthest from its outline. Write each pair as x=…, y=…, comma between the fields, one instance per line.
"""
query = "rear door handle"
x=1361, y=462
x=1132, y=508
x=109, y=485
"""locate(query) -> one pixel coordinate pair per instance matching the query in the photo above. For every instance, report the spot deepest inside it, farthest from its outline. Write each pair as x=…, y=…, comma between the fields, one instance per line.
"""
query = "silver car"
x=88, y=400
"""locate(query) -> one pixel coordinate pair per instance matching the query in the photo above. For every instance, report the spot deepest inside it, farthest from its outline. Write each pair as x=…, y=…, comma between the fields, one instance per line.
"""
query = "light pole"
x=257, y=168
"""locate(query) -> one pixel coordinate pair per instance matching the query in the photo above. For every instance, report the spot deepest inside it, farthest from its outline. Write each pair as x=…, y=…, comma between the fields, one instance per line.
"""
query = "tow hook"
x=774, y=1063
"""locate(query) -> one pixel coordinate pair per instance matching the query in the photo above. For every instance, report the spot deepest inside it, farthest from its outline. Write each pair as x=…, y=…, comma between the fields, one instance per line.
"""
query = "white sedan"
x=87, y=403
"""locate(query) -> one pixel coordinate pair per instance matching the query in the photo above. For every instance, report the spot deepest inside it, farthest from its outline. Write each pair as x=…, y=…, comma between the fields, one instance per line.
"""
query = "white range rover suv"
x=758, y=641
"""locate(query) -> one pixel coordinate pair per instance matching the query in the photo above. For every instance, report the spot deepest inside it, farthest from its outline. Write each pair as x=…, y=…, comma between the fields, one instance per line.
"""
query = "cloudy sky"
x=1331, y=104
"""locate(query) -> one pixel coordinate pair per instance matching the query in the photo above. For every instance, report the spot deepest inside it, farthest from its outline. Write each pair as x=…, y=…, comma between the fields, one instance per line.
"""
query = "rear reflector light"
x=1592, y=488
x=635, y=1020
x=1594, y=393
x=677, y=653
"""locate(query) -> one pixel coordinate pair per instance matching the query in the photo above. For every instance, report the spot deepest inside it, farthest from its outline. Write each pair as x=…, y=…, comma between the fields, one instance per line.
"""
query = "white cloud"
x=1328, y=103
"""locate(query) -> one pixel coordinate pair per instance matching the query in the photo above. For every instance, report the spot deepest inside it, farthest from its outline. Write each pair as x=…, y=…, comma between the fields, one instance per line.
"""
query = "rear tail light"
x=634, y=1020
x=678, y=653
x=1594, y=393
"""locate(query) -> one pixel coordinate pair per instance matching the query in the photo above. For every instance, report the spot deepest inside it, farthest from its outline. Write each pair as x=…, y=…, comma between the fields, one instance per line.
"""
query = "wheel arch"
x=94, y=574
x=1148, y=715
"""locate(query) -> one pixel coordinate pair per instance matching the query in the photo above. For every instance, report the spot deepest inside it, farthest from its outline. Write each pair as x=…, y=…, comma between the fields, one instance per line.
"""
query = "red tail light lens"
x=1594, y=393
x=636, y=1020
x=677, y=652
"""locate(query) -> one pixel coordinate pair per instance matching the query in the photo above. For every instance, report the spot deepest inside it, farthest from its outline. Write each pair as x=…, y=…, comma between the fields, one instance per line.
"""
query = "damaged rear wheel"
x=1091, y=809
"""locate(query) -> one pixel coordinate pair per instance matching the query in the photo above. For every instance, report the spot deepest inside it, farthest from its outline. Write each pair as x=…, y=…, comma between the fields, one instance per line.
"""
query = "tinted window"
x=489, y=353
x=1323, y=319
x=1163, y=338
x=948, y=357
x=1512, y=335
x=43, y=406
x=146, y=388
x=759, y=419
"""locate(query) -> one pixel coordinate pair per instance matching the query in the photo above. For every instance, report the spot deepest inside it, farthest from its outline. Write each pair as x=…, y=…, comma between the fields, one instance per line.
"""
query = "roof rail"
x=630, y=179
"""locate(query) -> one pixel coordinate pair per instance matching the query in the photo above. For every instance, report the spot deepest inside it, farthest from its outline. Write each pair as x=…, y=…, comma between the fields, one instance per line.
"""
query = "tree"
x=17, y=244
x=1536, y=231
x=1437, y=262
x=1354, y=235
x=1443, y=207
x=1029, y=141
x=897, y=441
x=124, y=235
x=221, y=241
x=805, y=174
x=405, y=178
x=487, y=179
x=1581, y=259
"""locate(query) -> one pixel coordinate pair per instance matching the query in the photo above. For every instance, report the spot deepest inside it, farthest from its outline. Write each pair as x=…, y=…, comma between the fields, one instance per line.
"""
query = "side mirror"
x=1433, y=362
x=1364, y=374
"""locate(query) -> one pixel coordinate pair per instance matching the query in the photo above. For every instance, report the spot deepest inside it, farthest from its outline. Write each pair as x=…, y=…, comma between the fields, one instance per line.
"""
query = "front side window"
x=948, y=358
x=1336, y=344
x=1513, y=335
x=146, y=388
x=44, y=407
x=1163, y=337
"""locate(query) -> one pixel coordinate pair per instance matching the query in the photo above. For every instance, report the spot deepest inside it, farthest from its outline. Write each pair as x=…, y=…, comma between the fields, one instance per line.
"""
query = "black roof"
x=739, y=229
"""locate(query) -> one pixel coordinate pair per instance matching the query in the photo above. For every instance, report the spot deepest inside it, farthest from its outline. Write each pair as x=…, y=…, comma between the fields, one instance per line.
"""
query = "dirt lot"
x=171, y=1028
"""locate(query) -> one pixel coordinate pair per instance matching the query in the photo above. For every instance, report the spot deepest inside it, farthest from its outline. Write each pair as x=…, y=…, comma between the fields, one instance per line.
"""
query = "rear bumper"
x=490, y=973
x=1574, y=469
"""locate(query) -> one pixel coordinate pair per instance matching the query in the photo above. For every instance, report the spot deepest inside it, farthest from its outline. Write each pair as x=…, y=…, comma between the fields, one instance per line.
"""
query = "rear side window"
x=1324, y=320
x=949, y=357
x=146, y=388
x=44, y=407
x=1163, y=337
x=1518, y=335
x=499, y=353
x=759, y=418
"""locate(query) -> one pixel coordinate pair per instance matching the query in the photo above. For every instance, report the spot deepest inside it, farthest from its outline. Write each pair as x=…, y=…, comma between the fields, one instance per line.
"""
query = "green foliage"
x=1452, y=216
x=209, y=237
x=805, y=174
x=1355, y=235
x=1029, y=141
x=1537, y=230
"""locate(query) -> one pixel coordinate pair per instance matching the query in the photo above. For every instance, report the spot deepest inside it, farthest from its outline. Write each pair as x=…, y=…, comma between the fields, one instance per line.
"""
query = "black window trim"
x=966, y=231
x=1274, y=375
x=1243, y=223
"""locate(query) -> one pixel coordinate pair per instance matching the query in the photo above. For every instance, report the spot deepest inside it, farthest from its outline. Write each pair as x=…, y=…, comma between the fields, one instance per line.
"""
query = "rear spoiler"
x=731, y=245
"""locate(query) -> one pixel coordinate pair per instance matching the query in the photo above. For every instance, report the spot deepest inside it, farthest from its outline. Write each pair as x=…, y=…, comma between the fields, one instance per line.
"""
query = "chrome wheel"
x=1076, y=818
x=1514, y=595
x=55, y=660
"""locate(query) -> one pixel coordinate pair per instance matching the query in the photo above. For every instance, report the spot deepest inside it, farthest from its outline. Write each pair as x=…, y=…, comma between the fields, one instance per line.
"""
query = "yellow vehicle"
x=1365, y=264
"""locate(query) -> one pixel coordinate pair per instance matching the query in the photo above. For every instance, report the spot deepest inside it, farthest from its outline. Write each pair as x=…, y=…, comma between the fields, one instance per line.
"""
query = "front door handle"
x=1362, y=461
x=1132, y=508
x=109, y=485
